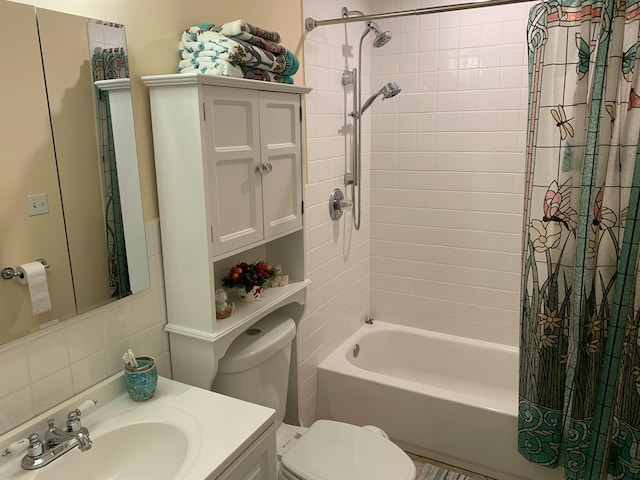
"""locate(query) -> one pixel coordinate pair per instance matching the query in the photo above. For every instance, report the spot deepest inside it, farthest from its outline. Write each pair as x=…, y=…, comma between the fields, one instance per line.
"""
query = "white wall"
x=443, y=180
x=337, y=256
x=43, y=369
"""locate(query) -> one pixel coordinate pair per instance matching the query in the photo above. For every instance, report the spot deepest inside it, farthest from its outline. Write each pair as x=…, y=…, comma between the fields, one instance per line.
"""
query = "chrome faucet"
x=57, y=442
x=74, y=430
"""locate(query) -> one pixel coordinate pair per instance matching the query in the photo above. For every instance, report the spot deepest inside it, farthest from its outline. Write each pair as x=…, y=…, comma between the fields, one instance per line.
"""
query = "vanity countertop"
x=217, y=428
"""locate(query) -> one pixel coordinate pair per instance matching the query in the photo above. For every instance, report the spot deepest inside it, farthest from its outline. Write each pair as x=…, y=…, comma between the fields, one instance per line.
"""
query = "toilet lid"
x=334, y=450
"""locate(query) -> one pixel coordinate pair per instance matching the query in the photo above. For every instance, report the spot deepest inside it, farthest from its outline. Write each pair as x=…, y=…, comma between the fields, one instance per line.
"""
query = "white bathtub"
x=444, y=397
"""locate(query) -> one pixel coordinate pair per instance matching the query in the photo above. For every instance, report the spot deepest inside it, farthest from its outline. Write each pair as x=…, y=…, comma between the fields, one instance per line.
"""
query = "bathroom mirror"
x=65, y=144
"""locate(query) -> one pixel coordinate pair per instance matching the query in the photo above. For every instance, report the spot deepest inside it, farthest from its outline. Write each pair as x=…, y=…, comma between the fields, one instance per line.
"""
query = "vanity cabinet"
x=258, y=462
x=228, y=155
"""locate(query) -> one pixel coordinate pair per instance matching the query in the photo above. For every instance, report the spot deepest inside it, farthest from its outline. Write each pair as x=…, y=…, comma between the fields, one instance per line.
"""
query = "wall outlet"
x=37, y=204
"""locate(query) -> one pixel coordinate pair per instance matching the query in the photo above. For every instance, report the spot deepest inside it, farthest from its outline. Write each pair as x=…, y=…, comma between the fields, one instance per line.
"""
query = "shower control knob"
x=346, y=204
x=338, y=204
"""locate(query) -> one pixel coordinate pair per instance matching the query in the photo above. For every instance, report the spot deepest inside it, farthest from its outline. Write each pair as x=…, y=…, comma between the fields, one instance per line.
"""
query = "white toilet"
x=256, y=369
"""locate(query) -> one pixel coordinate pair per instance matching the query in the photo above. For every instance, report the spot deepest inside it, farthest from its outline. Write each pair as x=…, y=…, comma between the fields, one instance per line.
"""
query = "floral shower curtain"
x=110, y=64
x=579, y=406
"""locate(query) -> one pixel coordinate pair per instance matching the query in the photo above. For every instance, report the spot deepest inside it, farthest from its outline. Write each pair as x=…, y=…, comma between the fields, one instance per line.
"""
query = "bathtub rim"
x=338, y=361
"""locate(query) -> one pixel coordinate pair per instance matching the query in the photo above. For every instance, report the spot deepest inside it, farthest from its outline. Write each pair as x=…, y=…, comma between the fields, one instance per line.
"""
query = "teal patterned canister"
x=142, y=380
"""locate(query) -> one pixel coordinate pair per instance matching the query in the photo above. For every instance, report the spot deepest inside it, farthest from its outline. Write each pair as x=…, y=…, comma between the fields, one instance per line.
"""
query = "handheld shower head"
x=391, y=89
x=382, y=38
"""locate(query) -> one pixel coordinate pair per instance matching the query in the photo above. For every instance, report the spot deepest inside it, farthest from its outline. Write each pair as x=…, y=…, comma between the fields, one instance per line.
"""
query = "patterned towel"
x=238, y=27
x=197, y=43
x=241, y=30
x=219, y=67
x=431, y=472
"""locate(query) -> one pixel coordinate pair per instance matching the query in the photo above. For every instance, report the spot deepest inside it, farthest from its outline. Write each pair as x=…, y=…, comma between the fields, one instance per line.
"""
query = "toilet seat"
x=332, y=450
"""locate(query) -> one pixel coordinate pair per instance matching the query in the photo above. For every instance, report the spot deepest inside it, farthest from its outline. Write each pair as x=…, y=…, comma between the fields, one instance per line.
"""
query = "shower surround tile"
x=443, y=177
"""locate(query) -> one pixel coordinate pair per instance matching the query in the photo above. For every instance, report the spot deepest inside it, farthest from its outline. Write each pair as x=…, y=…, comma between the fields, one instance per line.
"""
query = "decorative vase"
x=250, y=296
x=141, y=381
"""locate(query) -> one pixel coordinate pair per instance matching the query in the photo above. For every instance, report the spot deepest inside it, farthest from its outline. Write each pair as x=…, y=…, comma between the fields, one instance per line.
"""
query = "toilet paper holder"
x=9, y=272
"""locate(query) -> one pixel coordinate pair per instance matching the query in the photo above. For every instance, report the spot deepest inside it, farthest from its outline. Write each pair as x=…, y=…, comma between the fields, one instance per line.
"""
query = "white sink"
x=182, y=432
x=140, y=451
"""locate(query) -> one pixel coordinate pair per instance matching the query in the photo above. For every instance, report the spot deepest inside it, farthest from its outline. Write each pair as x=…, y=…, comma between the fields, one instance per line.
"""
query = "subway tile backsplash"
x=45, y=368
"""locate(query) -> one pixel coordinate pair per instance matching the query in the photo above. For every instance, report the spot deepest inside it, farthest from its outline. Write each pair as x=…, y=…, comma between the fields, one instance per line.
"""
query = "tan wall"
x=67, y=65
x=28, y=167
x=153, y=30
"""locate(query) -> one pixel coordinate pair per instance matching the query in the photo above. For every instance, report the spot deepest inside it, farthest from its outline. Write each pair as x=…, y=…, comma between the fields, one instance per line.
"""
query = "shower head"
x=391, y=89
x=382, y=38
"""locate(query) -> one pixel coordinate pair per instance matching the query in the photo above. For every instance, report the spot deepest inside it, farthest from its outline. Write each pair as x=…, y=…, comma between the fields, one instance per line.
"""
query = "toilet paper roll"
x=35, y=276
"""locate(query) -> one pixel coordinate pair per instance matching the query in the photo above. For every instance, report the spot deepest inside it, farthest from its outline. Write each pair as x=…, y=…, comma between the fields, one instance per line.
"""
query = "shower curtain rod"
x=311, y=23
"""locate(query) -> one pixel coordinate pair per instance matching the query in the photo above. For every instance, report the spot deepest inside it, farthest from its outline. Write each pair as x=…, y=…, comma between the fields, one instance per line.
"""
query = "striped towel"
x=431, y=472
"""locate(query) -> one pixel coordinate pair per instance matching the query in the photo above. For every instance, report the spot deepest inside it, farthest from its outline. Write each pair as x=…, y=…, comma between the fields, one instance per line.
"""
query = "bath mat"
x=431, y=472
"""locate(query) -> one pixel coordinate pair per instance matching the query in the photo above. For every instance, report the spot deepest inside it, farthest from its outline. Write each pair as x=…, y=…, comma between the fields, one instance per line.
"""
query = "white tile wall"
x=337, y=256
x=443, y=177
x=48, y=367
x=446, y=204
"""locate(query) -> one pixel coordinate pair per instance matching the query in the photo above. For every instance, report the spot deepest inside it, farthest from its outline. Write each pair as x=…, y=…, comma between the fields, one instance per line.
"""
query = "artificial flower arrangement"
x=247, y=275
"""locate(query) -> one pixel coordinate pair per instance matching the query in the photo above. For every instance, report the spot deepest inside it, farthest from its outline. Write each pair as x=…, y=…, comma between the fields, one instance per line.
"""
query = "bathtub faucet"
x=369, y=320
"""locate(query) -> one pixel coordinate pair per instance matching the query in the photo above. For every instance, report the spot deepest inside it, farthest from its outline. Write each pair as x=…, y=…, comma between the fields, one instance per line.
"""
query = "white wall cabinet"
x=228, y=156
x=254, y=156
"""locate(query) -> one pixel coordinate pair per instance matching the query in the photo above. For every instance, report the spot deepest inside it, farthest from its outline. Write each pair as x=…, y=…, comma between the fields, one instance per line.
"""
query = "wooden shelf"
x=247, y=313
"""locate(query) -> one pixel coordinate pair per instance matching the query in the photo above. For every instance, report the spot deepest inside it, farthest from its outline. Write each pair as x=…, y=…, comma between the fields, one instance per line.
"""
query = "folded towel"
x=237, y=27
x=242, y=31
x=219, y=67
x=197, y=42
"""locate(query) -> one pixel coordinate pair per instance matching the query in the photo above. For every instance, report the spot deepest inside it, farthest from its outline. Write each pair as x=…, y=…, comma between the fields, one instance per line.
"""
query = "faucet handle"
x=36, y=447
x=86, y=406
x=73, y=417
x=15, y=447
x=73, y=420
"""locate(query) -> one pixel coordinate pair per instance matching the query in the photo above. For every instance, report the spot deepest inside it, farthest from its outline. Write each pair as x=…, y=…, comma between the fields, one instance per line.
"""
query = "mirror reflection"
x=68, y=141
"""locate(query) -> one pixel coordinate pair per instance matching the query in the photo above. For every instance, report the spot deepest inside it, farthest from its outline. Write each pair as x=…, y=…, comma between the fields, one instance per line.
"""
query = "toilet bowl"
x=255, y=368
x=337, y=451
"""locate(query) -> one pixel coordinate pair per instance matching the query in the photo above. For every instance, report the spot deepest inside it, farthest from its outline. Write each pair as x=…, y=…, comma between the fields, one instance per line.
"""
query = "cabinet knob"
x=264, y=168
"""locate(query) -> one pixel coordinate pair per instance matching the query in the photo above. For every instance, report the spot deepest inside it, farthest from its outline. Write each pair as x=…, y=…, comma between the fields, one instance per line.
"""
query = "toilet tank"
x=256, y=365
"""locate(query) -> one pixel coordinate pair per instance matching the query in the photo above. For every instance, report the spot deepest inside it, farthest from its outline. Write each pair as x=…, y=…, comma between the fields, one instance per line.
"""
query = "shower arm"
x=311, y=23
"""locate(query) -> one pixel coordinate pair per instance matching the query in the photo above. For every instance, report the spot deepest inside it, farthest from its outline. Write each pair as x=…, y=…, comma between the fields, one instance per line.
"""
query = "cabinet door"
x=232, y=137
x=281, y=153
x=258, y=462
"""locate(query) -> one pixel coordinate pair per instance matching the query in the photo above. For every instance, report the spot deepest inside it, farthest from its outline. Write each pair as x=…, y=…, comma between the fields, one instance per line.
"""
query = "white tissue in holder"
x=35, y=276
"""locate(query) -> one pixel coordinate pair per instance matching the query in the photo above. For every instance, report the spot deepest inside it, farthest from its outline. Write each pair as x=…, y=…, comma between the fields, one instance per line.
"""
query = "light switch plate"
x=37, y=204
